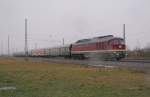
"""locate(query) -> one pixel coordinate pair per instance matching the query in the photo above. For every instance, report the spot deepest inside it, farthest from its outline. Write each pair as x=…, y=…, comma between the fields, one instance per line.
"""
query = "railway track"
x=98, y=63
x=135, y=60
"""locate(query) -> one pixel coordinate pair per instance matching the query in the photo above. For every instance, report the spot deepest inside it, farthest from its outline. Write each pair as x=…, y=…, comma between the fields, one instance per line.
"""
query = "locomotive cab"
x=117, y=45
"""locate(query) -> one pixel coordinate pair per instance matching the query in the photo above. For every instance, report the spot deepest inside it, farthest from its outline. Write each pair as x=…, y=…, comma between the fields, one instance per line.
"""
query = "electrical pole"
x=8, y=46
x=26, y=38
x=2, y=48
x=63, y=42
x=124, y=33
x=16, y=50
x=35, y=46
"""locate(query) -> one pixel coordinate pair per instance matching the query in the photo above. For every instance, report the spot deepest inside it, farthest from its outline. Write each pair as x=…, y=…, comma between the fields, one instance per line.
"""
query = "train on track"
x=103, y=47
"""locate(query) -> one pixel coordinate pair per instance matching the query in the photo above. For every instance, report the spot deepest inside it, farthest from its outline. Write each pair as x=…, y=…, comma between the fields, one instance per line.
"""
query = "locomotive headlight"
x=120, y=46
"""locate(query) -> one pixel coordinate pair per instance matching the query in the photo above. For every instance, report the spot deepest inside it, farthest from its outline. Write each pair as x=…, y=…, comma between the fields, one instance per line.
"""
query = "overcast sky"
x=51, y=20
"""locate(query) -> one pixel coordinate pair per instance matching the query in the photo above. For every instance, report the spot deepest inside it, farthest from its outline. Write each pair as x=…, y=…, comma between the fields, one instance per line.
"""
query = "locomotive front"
x=118, y=47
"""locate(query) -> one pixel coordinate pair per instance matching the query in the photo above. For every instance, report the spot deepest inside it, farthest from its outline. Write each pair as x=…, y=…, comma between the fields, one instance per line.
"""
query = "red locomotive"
x=104, y=47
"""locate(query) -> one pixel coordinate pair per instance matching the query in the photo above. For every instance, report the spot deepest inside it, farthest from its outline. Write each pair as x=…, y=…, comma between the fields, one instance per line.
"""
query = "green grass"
x=42, y=79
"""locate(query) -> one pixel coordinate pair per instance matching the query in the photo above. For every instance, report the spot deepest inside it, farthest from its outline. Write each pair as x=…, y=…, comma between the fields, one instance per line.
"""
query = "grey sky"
x=51, y=20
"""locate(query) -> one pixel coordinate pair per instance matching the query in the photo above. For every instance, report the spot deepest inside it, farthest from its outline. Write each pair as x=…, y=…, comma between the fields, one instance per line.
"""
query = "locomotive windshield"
x=117, y=41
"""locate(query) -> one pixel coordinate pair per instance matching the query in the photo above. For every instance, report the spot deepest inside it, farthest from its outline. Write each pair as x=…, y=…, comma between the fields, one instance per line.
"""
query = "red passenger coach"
x=38, y=53
x=104, y=47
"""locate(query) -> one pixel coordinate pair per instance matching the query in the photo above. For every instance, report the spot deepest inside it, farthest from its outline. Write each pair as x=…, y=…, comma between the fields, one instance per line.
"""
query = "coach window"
x=97, y=45
x=100, y=45
x=104, y=45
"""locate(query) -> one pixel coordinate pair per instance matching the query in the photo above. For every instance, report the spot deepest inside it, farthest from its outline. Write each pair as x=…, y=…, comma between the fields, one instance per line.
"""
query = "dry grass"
x=43, y=79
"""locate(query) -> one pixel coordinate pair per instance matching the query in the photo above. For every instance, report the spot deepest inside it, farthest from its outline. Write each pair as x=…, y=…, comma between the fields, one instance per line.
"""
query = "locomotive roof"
x=97, y=39
x=105, y=36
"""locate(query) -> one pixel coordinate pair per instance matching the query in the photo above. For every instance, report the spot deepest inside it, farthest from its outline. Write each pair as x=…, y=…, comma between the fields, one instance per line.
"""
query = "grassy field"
x=42, y=79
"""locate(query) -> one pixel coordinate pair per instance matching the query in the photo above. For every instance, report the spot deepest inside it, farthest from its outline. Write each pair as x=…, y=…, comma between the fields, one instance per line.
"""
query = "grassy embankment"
x=42, y=79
